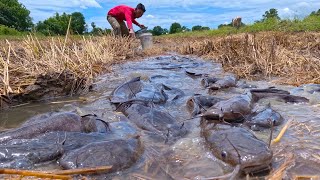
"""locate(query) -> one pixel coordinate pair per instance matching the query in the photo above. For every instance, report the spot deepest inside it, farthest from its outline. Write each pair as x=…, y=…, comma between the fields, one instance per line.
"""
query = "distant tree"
x=15, y=15
x=93, y=25
x=196, y=28
x=315, y=13
x=157, y=31
x=272, y=13
x=107, y=31
x=58, y=24
x=199, y=28
x=175, y=28
x=224, y=25
x=165, y=31
x=205, y=28
x=78, y=23
x=185, y=29
x=97, y=31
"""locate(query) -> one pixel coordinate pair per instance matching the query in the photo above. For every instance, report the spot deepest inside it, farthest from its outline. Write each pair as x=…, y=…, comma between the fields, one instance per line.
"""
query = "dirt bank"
x=35, y=69
x=293, y=58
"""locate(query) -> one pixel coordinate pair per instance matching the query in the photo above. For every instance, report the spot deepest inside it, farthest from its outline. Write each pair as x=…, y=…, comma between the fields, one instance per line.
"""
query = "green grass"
x=308, y=24
x=4, y=30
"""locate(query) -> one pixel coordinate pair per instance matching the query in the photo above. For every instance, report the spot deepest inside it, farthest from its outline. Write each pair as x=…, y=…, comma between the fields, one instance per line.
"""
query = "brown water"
x=188, y=158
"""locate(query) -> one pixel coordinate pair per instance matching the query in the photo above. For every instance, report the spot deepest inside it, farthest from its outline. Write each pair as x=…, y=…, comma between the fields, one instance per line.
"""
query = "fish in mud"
x=195, y=73
x=152, y=92
x=282, y=95
x=225, y=82
x=232, y=110
x=24, y=155
x=173, y=93
x=126, y=91
x=155, y=121
x=265, y=118
x=119, y=153
x=207, y=81
x=200, y=103
x=65, y=121
x=237, y=146
x=74, y=140
x=136, y=90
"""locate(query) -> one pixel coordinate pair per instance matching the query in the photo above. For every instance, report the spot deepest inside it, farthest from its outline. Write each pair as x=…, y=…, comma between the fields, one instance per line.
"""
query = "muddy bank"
x=293, y=58
x=174, y=113
x=37, y=69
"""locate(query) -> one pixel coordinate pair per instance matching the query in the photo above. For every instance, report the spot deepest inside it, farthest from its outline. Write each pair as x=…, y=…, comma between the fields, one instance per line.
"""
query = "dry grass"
x=86, y=57
x=83, y=58
x=294, y=58
x=279, y=173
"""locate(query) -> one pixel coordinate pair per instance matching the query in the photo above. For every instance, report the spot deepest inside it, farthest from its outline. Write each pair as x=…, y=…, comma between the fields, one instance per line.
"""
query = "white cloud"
x=150, y=16
x=286, y=10
x=287, y=13
x=41, y=9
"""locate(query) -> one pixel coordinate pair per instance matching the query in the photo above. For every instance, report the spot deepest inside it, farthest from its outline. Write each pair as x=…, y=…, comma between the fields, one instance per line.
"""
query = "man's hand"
x=142, y=26
x=131, y=33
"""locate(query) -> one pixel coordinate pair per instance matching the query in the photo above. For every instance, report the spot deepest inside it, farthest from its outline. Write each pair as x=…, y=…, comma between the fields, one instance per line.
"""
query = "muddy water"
x=188, y=157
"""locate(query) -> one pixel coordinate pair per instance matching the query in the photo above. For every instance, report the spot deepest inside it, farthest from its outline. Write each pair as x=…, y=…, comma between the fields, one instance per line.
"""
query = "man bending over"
x=117, y=15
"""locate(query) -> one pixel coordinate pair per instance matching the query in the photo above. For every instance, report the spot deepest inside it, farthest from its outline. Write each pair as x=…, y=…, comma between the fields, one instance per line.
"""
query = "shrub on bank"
x=4, y=30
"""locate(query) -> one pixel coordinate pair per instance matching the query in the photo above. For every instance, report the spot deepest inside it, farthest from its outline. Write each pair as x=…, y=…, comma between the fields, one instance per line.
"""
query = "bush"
x=4, y=30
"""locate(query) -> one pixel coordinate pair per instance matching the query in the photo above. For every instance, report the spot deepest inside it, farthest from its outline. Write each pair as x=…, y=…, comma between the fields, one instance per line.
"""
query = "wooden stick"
x=283, y=130
x=55, y=102
x=297, y=177
x=67, y=101
x=33, y=173
x=83, y=170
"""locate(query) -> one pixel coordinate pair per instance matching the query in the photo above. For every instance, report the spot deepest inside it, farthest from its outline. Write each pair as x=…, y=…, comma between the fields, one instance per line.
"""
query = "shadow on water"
x=188, y=157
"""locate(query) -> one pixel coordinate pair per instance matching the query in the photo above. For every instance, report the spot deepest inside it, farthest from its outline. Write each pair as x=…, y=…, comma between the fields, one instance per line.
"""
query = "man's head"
x=140, y=9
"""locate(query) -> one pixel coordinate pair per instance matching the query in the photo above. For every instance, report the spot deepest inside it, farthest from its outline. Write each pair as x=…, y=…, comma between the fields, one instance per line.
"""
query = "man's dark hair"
x=141, y=6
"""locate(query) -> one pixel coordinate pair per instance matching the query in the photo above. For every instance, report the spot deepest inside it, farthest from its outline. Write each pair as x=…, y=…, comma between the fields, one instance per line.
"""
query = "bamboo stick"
x=83, y=170
x=33, y=173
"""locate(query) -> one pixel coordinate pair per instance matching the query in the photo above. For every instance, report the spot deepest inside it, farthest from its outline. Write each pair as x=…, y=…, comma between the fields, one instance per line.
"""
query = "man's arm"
x=135, y=22
x=128, y=16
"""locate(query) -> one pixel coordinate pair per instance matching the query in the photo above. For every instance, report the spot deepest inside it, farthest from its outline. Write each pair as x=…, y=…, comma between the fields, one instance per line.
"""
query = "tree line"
x=15, y=15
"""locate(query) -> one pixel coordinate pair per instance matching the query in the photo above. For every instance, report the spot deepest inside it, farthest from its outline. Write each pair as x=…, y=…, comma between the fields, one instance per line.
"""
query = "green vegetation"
x=271, y=14
x=99, y=31
x=58, y=24
x=158, y=30
x=4, y=30
x=15, y=15
x=270, y=22
x=200, y=28
x=175, y=28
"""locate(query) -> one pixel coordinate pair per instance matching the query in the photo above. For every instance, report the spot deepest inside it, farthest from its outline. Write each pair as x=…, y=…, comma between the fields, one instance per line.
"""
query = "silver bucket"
x=146, y=40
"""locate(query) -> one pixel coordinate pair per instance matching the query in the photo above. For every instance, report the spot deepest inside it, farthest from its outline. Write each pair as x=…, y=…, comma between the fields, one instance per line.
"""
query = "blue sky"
x=209, y=13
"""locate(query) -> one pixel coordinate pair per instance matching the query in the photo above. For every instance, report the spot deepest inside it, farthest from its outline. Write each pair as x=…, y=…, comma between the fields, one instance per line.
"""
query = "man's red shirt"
x=124, y=13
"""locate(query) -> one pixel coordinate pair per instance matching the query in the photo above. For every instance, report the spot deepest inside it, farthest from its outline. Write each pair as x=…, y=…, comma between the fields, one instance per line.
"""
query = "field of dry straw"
x=292, y=58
